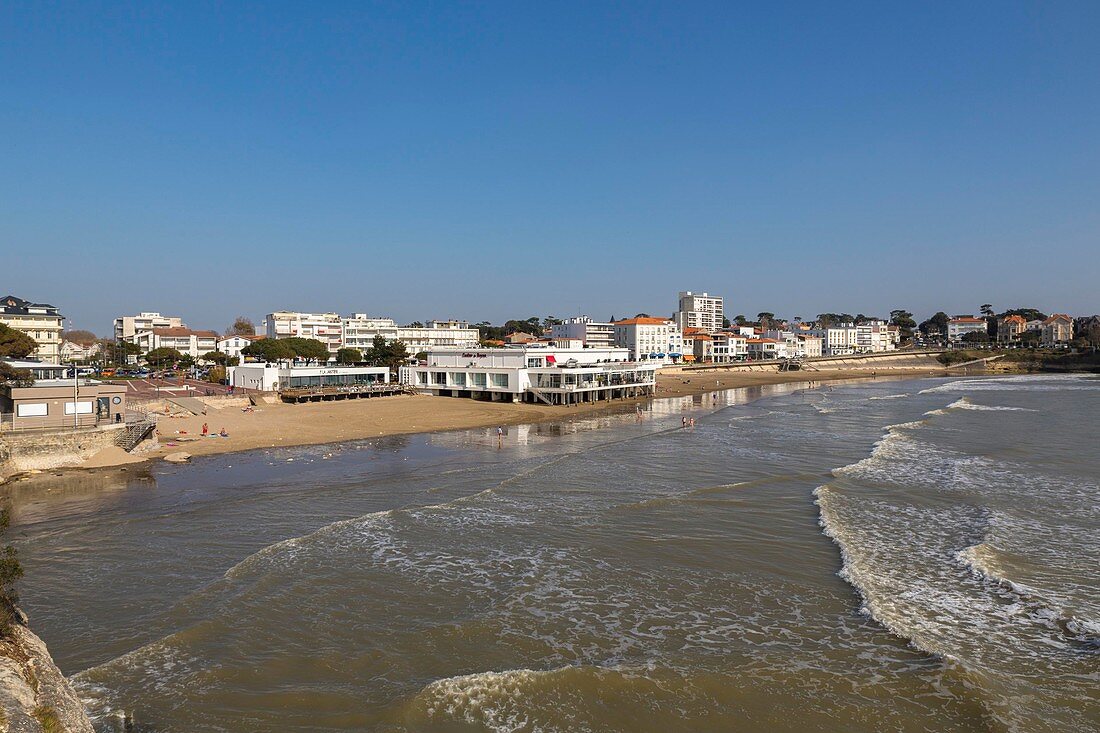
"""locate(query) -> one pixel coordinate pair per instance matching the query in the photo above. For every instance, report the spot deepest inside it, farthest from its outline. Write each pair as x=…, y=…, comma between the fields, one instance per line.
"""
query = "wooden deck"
x=329, y=394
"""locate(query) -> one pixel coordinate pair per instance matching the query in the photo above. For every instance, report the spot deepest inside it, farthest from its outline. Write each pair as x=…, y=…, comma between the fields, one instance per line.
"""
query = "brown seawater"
x=913, y=555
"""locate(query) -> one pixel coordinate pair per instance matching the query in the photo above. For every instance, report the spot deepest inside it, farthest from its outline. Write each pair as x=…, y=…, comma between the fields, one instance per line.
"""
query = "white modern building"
x=532, y=374
x=650, y=339
x=126, y=327
x=327, y=328
x=959, y=327
x=360, y=331
x=700, y=310
x=285, y=376
x=184, y=340
x=594, y=334
x=40, y=321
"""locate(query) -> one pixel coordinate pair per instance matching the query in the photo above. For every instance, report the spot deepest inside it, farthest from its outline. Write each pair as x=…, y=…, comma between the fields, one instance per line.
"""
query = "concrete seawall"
x=34, y=450
x=869, y=362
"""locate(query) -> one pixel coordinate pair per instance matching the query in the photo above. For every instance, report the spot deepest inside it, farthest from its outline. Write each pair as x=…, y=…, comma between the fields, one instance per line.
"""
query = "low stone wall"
x=35, y=450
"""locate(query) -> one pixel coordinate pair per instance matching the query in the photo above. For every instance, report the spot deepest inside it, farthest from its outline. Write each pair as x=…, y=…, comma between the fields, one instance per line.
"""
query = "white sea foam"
x=964, y=403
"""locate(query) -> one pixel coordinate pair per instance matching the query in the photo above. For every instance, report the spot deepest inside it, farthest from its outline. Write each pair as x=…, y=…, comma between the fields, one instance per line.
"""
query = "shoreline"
x=282, y=425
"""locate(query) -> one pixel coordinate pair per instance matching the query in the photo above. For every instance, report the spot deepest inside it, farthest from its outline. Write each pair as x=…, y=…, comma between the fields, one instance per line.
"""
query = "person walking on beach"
x=683, y=422
x=205, y=430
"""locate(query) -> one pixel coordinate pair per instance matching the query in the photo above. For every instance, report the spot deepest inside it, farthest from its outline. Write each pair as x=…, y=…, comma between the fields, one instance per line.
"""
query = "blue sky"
x=497, y=160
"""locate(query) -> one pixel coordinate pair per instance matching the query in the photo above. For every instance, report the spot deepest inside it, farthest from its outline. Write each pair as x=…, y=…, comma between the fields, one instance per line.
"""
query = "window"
x=498, y=380
x=81, y=408
x=33, y=409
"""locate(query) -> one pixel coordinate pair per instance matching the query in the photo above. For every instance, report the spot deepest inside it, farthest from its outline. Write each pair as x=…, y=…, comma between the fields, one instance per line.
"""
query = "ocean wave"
x=991, y=565
x=1022, y=383
x=964, y=403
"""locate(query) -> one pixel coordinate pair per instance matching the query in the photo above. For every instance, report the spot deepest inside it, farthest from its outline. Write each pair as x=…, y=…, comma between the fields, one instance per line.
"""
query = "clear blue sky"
x=487, y=161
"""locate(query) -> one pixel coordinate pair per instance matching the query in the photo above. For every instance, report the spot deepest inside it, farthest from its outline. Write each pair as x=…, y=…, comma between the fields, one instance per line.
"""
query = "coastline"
x=281, y=425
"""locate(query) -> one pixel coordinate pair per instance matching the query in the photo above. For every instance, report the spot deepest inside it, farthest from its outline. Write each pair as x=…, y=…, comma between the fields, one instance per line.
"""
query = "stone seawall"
x=31, y=451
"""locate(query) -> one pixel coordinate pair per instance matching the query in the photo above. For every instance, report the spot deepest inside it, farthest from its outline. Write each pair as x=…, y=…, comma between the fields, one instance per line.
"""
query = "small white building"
x=268, y=377
x=532, y=374
x=961, y=326
x=231, y=345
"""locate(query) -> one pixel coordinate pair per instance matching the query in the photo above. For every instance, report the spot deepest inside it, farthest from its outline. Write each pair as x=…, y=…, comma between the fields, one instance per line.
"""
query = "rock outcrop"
x=34, y=696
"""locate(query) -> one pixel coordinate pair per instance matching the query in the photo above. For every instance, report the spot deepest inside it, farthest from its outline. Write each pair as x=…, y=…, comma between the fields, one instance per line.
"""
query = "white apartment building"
x=871, y=337
x=532, y=374
x=729, y=347
x=650, y=339
x=40, y=321
x=798, y=345
x=327, y=328
x=184, y=340
x=594, y=334
x=128, y=326
x=361, y=329
x=959, y=327
x=700, y=310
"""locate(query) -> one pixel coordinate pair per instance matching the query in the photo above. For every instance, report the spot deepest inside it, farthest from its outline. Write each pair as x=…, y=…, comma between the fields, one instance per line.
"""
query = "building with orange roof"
x=1058, y=329
x=960, y=326
x=184, y=340
x=650, y=339
x=1010, y=328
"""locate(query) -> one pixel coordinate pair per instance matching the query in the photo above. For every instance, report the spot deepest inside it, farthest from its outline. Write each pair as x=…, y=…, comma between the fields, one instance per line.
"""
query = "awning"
x=689, y=357
x=551, y=359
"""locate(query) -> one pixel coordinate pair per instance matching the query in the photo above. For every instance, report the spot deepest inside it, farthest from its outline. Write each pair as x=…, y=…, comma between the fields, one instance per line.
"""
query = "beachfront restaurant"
x=267, y=377
x=554, y=376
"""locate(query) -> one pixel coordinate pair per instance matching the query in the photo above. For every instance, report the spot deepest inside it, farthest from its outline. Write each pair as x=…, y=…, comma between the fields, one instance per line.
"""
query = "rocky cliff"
x=34, y=696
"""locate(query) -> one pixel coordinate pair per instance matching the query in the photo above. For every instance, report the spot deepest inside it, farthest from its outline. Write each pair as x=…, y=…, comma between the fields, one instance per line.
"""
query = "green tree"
x=975, y=337
x=987, y=309
x=903, y=319
x=307, y=349
x=725, y=322
x=216, y=375
x=765, y=319
x=642, y=315
x=215, y=357
x=10, y=572
x=349, y=356
x=15, y=344
x=415, y=324
x=15, y=377
x=163, y=356
x=740, y=319
x=242, y=326
x=937, y=324
x=388, y=354
x=270, y=350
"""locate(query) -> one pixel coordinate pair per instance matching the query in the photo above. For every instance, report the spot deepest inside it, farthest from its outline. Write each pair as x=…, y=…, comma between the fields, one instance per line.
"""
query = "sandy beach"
x=282, y=425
